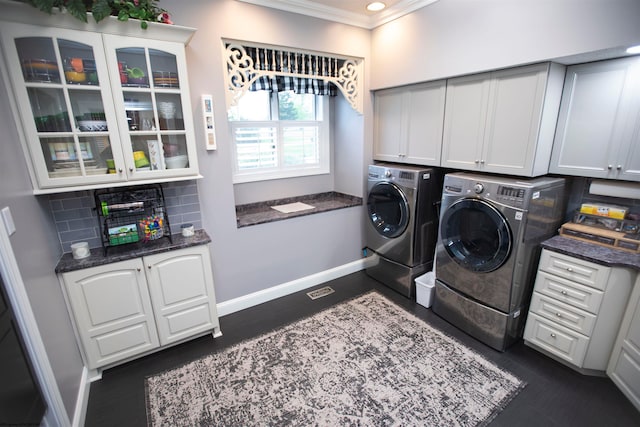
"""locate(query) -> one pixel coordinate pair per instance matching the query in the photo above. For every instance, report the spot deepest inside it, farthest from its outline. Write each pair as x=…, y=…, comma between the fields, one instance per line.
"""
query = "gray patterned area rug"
x=363, y=362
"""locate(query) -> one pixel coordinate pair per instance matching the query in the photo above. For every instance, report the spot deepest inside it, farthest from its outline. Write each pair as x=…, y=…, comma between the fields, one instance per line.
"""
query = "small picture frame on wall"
x=208, y=122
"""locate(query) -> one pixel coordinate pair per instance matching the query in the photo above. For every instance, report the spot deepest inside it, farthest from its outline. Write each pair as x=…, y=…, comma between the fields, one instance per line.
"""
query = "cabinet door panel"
x=188, y=320
x=389, y=125
x=112, y=311
x=426, y=113
x=464, y=121
x=60, y=80
x=589, y=125
x=181, y=287
x=151, y=90
x=557, y=340
x=515, y=106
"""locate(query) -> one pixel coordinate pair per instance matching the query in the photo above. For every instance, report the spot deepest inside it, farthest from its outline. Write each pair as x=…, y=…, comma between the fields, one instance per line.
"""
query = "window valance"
x=262, y=67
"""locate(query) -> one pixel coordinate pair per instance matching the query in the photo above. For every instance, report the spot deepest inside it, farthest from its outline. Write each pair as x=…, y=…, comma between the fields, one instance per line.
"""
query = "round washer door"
x=476, y=235
x=388, y=209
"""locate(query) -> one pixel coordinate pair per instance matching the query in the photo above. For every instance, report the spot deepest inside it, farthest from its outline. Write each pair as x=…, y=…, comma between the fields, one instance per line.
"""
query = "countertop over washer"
x=594, y=253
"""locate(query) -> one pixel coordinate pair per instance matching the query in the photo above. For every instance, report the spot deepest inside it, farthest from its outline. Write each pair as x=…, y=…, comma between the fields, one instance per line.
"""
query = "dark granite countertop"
x=129, y=251
x=590, y=252
x=260, y=213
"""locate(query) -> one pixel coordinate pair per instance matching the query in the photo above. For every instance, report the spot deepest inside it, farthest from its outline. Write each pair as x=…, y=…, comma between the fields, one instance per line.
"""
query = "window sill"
x=262, y=212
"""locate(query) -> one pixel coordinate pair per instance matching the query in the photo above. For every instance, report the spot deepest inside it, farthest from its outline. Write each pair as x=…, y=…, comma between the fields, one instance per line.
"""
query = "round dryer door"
x=388, y=209
x=476, y=235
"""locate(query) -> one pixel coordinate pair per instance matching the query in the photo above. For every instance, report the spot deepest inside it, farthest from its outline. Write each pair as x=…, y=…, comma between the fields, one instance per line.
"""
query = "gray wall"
x=37, y=249
x=255, y=258
x=76, y=220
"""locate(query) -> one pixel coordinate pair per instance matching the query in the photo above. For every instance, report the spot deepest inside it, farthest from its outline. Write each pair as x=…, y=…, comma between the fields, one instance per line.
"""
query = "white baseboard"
x=82, y=401
x=246, y=301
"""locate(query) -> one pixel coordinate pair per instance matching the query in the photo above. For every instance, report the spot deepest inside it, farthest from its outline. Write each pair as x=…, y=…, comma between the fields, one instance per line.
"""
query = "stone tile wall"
x=76, y=218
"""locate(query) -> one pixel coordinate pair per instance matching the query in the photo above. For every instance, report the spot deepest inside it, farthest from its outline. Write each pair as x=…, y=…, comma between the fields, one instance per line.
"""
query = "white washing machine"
x=488, y=249
x=402, y=222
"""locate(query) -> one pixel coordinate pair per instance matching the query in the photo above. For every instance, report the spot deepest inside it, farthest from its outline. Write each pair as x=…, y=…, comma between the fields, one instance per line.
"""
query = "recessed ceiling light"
x=634, y=49
x=376, y=6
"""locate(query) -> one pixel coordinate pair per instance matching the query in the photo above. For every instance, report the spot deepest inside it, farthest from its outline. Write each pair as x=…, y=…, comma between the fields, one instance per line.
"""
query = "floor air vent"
x=319, y=293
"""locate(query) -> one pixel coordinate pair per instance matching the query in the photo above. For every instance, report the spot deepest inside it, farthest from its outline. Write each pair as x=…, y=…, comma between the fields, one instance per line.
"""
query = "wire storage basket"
x=132, y=215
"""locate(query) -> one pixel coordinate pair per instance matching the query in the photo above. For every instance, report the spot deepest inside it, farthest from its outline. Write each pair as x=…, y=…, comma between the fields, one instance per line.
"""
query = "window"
x=280, y=135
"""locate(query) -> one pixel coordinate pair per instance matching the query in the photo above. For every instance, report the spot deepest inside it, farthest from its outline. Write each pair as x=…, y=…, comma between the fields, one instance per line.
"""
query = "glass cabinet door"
x=155, y=100
x=65, y=104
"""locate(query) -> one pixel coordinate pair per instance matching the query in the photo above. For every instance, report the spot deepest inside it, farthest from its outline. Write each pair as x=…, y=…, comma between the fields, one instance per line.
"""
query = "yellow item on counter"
x=611, y=211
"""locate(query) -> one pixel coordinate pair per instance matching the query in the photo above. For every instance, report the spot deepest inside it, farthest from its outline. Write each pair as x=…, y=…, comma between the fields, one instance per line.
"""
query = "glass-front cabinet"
x=100, y=110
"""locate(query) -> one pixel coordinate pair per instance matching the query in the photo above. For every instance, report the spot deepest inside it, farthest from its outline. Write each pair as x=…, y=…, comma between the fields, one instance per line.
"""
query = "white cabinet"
x=408, y=123
x=181, y=288
x=576, y=310
x=624, y=366
x=100, y=110
x=598, y=133
x=112, y=311
x=129, y=308
x=502, y=121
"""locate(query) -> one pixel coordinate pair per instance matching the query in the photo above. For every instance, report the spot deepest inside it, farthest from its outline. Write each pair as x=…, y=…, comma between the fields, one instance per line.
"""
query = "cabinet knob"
x=610, y=167
x=130, y=169
x=149, y=266
x=559, y=314
x=120, y=170
x=563, y=292
x=619, y=167
x=553, y=335
x=138, y=269
x=482, y=162
x=477, y=161
x=570, y=270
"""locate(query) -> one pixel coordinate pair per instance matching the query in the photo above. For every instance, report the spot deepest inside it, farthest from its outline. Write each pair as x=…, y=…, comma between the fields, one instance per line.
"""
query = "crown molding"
x=317, y=10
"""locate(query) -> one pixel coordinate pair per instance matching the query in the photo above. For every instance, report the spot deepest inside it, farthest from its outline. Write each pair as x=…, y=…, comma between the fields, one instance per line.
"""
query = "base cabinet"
x=576, y=310
x=129, y=308
x=624, y=365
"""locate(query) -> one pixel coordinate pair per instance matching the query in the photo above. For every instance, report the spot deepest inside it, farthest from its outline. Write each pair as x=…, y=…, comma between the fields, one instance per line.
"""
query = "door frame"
x=55, y=414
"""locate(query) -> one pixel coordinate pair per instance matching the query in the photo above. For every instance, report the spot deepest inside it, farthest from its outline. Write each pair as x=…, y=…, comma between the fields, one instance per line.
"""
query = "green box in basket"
x=123, y=234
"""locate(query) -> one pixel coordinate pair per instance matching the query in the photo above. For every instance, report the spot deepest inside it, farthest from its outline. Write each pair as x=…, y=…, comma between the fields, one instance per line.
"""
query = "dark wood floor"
x=554, y=396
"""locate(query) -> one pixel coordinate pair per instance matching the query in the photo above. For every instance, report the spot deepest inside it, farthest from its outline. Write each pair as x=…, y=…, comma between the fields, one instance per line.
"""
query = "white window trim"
x=324, y=139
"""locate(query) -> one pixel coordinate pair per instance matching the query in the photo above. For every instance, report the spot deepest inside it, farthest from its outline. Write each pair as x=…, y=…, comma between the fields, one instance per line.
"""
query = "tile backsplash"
x=77, y=221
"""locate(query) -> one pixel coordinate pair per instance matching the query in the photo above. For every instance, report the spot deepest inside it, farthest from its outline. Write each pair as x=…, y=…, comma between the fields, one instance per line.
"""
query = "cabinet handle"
x=553, y=335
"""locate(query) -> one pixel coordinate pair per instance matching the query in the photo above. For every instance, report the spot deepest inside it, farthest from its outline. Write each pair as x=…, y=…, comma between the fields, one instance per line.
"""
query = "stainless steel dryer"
x=402, y=225
x=488, y=249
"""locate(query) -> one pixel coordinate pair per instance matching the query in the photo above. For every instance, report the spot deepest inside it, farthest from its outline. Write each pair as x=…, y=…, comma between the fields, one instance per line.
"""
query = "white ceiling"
x=352, y=12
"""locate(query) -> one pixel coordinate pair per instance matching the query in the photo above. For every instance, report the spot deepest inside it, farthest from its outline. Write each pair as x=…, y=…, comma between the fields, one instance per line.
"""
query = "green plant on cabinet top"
x=144, y=10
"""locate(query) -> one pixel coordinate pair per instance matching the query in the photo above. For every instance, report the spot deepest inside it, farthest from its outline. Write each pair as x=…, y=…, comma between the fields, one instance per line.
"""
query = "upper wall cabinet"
x=99, y=110
x=598, y=132
x=408, y=123
x=502, y=121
